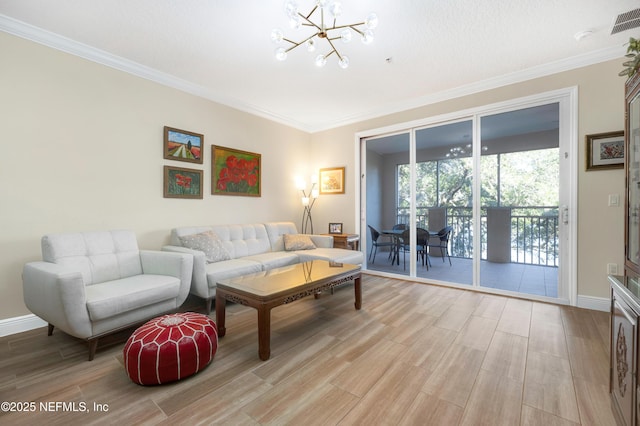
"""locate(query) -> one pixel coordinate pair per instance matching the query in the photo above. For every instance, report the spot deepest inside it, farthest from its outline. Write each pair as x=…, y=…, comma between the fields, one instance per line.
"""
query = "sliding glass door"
x=388, y=206
x=473, y=201
x=519, y=175
x=444, y=200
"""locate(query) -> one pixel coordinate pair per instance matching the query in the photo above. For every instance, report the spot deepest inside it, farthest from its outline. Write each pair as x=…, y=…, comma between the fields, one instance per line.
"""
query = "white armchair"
x=91, y=284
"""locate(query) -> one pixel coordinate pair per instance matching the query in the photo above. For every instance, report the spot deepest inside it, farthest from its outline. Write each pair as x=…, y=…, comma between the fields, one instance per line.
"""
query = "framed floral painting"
x=605, y=151
x=235, y=172
x=182, y=183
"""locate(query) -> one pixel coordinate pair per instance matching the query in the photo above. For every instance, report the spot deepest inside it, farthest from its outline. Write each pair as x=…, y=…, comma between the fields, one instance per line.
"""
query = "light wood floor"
x=415, y=354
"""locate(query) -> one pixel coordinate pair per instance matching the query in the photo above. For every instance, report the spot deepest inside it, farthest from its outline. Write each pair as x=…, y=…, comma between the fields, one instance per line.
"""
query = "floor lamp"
x=308, y=200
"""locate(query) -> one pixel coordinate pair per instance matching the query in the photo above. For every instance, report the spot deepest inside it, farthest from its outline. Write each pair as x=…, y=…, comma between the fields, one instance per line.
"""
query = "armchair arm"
x=56, y=294
x=179, y=265
x=199, y=284
x=322, y=241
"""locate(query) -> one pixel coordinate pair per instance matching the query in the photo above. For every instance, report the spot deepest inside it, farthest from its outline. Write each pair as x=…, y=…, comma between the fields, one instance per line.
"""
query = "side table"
x=346, y=241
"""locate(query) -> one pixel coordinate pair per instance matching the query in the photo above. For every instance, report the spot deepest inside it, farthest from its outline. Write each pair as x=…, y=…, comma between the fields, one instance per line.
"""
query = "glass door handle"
x=565, y=215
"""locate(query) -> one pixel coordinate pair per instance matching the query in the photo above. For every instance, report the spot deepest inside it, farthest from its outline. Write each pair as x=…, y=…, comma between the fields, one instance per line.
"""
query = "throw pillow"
x=297, y=242
x=209, y=243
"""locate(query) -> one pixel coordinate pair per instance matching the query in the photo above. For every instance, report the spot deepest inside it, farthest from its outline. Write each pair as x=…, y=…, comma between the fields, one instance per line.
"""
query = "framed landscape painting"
x=182, y=183
x=332, y=180
x=182, y=145
x=235, y=172
x=605, y=151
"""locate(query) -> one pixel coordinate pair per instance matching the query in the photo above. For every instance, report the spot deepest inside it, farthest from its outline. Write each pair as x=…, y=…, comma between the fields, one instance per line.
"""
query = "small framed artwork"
x=605, y=151
x=182, y=145
x=182, y=183
x=335, y=228
x=235, y=172
x=332, y=180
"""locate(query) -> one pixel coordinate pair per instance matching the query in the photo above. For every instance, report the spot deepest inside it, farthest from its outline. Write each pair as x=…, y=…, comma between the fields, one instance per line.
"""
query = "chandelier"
x=330, y=32
x=462, y=151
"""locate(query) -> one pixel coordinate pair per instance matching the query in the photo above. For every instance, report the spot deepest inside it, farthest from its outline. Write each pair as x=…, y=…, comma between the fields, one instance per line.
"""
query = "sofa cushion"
x=243, y=240
x=230, y=269
x=294, y=242
x=336, y=254
x=108, y=299
x=274, y=259
x=100, y=255
x=276, y=230
x=207, y=242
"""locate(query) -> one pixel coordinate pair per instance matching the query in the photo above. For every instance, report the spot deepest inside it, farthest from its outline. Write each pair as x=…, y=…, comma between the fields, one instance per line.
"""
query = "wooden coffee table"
x=268, y=289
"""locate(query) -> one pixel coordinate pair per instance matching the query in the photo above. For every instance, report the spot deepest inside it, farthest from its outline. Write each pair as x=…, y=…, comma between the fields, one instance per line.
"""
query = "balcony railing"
x=533, y=232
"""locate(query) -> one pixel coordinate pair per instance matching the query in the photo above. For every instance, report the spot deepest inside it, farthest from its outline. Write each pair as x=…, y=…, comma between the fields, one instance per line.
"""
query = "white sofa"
x=90, y=284
x=251, y=248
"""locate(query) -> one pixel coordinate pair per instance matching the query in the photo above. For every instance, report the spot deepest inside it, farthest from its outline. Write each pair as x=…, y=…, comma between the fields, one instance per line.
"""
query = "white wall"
x=83, y=150
x=601, y=109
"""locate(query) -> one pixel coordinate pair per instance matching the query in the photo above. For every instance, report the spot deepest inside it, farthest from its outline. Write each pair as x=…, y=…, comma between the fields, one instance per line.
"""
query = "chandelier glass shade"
x=323, y=20
x=462, y=151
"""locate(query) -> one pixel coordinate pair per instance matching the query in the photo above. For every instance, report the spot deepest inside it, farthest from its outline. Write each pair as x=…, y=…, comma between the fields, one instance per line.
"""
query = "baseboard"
x=19, y=324
x=595, y=303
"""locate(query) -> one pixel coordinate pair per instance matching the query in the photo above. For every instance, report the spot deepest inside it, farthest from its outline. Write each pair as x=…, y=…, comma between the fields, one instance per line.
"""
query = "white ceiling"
x=221, y=49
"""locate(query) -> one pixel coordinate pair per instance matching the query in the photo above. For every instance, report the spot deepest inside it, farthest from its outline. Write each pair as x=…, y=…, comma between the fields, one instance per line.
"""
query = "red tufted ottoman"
x=170, y=348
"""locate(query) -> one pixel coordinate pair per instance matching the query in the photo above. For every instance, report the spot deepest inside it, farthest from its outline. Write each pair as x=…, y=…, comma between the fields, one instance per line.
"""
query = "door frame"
x=567, y=98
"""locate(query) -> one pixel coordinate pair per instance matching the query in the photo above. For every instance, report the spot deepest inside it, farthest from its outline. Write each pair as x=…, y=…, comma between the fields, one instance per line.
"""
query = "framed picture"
x=182, y=183
x=235, y=172
x=182, y=145
x=332, y=180
x=605, y=151
x=335, y=228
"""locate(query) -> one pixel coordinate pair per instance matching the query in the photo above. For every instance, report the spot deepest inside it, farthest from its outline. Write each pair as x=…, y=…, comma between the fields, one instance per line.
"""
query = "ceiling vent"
x=626, y=21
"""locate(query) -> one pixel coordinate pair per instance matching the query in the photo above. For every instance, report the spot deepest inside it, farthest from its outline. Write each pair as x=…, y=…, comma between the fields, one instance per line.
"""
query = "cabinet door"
x=623, y=332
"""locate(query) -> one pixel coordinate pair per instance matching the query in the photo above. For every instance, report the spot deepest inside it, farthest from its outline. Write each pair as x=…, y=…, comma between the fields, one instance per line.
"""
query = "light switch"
x=614, y=200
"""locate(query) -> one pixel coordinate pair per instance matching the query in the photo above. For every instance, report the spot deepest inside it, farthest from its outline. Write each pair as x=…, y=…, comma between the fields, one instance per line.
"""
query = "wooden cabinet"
x=625, y=291
x=624, y=350
x=632, y=176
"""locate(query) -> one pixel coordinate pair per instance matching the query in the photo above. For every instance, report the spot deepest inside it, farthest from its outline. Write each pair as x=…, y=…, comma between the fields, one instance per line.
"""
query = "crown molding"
x=566, y=64
x=67, y=45
x=56, y=41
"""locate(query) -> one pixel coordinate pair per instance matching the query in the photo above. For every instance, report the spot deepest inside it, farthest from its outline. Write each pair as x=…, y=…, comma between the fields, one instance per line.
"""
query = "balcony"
x=519, y=247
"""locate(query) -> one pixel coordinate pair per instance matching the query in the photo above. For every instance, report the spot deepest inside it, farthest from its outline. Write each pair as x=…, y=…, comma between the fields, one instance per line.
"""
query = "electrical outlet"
x=612, y=269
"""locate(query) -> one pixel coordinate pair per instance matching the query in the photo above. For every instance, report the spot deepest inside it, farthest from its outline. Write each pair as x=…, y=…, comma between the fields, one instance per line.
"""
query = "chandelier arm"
x=310, y=13
x=337, y=27
x=357, y=30
x=310, y=22
x=331, y=53
x=334, y=49
x=296, y=44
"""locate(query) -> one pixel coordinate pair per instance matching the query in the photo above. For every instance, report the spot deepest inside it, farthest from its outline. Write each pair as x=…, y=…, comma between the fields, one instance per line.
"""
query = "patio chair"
x=375, y=235
x=422, y=238
x=444, y=235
